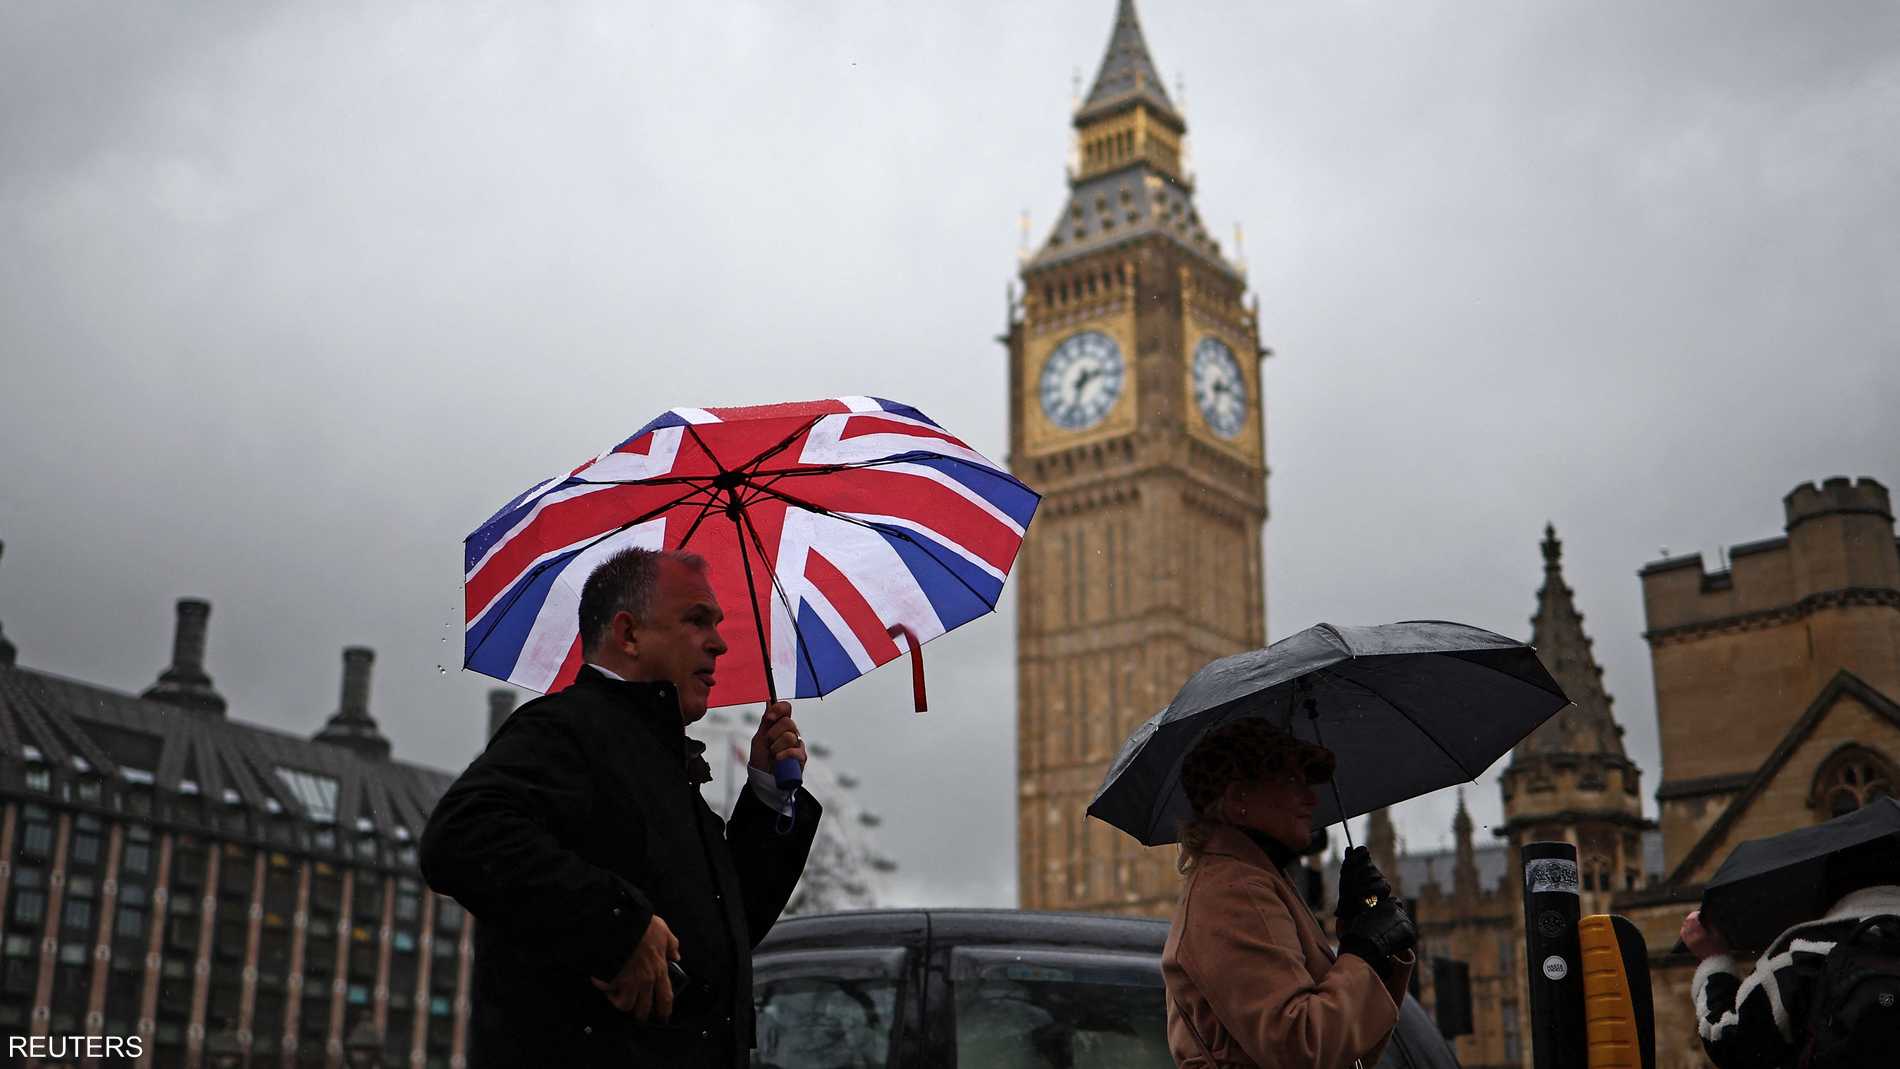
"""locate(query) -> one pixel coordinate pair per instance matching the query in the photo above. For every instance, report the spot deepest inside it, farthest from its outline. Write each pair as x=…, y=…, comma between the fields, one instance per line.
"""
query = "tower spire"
x=1128, y=72
x=1464, y=870
x=1587, y=726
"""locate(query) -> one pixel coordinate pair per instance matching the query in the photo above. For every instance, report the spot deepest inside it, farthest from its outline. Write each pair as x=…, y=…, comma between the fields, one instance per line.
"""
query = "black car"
x=1000, y=989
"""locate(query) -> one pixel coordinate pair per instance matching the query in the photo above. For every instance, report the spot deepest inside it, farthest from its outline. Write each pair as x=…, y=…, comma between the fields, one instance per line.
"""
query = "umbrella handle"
x=786, y=771
x=916, y=662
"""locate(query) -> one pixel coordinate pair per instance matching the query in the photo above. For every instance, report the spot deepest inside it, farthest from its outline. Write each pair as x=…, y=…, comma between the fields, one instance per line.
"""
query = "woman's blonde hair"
x=1237, y=752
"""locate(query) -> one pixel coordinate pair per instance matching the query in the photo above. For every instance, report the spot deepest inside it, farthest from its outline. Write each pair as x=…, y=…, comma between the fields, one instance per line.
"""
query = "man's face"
x=680, y=640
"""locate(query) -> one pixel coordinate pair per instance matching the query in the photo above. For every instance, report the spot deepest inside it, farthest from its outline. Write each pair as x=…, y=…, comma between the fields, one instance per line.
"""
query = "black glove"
x=1359, y=879
x=1378, y=933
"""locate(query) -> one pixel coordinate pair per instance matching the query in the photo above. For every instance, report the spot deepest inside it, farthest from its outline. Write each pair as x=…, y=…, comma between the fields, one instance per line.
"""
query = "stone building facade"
x=1777, y=686
x=231, y=894
x=1778, y=698
x=1135, y=409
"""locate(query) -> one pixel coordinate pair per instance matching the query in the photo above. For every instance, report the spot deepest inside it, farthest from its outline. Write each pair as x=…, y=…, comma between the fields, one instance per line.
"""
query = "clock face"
x=1218, y=388
x=1081, y=380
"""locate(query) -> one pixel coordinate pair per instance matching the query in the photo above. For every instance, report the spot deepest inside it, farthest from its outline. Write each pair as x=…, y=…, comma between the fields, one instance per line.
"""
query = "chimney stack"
x=501, y=702
x=185, y=684
x=6, y=648
x=352, y=726
x=357, y=661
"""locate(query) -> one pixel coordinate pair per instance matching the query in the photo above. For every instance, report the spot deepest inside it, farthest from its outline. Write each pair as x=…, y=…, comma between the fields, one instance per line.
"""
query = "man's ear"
x=623, y=634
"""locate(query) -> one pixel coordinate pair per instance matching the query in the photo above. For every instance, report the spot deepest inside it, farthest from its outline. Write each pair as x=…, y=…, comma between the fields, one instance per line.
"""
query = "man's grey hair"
x=624, y=583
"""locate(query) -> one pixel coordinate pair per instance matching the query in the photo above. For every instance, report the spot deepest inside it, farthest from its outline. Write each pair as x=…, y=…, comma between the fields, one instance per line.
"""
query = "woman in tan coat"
x=1250, y=974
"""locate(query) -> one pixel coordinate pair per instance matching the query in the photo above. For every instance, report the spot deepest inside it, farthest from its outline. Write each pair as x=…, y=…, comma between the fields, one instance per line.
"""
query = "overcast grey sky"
x=293, y=296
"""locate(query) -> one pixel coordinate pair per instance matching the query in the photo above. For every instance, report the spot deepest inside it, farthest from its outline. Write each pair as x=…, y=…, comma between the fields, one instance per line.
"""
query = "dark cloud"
x=294, y=296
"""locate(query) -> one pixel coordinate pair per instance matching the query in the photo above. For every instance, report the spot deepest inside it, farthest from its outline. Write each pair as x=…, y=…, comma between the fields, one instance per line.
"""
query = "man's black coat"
x=576, y=825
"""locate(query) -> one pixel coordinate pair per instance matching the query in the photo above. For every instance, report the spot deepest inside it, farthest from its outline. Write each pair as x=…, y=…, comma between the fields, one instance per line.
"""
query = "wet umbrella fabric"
x=1768, y=885
x=1407, y=708
x=830, y=529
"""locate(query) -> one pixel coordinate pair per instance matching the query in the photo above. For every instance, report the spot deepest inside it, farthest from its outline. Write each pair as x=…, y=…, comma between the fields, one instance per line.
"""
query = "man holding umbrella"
x=581, y=844
x=1821, y=905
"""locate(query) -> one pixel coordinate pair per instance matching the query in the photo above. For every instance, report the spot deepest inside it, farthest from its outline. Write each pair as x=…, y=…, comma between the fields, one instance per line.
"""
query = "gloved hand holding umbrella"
x=1361, y=886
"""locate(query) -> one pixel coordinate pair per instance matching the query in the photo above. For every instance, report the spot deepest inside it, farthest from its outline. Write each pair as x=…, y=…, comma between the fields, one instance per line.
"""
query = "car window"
x=827, y=1009
x=1031, y=1009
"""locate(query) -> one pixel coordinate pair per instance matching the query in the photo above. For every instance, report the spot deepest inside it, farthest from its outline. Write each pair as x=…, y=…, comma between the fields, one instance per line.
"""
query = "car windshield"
x=826, y=1010
x=1018, y=1009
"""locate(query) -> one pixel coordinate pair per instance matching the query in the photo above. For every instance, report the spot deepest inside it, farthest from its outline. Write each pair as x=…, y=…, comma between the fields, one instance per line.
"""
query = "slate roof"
x=1135, y=201
x=86, y=728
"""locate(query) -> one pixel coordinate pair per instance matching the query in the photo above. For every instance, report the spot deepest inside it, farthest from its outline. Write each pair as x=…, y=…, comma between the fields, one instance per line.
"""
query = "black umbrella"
x=1407, y=708
x=1768, y=885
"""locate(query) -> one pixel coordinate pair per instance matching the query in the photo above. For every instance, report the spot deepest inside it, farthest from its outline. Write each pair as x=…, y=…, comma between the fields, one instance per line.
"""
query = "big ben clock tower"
x=1135, y=408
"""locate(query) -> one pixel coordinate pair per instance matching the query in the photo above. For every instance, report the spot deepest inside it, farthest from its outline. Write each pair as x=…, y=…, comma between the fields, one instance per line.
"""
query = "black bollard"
x=1555, y=961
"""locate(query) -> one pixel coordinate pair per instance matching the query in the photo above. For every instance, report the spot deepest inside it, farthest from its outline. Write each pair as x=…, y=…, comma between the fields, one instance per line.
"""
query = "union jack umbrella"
x=830, y=528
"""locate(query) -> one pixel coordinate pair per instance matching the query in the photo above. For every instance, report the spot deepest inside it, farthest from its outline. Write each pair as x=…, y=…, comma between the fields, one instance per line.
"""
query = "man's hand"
x=777, y=737
x=1702, y=941
x=1359, y=879
x=641, y=987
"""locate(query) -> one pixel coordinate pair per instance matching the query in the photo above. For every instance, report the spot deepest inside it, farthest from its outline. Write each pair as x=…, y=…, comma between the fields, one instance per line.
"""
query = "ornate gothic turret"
x=1586, y=727
x=1570, y=779
x=1464, y=868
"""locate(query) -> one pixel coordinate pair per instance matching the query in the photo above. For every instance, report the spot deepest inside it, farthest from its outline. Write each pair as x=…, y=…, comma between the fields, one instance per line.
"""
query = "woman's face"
x=1280, y=805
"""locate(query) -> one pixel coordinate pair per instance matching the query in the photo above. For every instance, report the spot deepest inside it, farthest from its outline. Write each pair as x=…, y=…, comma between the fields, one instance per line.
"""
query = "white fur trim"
x=1810, y=946
x=1698, y=984
x=1712, y=1032
x=1699, y=987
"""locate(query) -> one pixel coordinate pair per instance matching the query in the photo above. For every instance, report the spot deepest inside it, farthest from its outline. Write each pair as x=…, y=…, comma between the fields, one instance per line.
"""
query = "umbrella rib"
x=527, y=580
x=1395, y=707
x=704, y=510
x=752, y=465
x=744, y=521
x=706, y=449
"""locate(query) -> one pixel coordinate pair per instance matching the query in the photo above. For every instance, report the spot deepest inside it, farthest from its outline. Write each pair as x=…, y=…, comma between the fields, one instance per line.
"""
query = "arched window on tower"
x=1851, y=777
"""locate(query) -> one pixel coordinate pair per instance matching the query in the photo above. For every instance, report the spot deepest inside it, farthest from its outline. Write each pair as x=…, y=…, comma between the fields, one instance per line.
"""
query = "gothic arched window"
x=1850, y=778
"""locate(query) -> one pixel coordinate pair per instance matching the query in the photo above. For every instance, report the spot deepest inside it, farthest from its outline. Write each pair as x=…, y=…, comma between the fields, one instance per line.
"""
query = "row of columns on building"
x=195, y=1045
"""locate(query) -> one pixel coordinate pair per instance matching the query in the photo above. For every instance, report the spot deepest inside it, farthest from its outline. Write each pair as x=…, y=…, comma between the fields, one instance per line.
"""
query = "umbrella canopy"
x=1768, y=885
x=1407, y=708
x=829, y=528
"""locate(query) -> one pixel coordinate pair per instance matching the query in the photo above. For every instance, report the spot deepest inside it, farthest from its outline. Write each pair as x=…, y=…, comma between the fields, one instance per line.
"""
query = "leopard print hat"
x=1242, y=750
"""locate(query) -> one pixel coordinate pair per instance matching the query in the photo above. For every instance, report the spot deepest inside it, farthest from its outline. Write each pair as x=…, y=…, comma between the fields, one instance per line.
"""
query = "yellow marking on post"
x=1609, y=1011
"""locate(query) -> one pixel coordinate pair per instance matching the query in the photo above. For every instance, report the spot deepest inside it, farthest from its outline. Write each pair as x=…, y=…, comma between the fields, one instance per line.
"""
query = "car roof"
x=967, y=927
